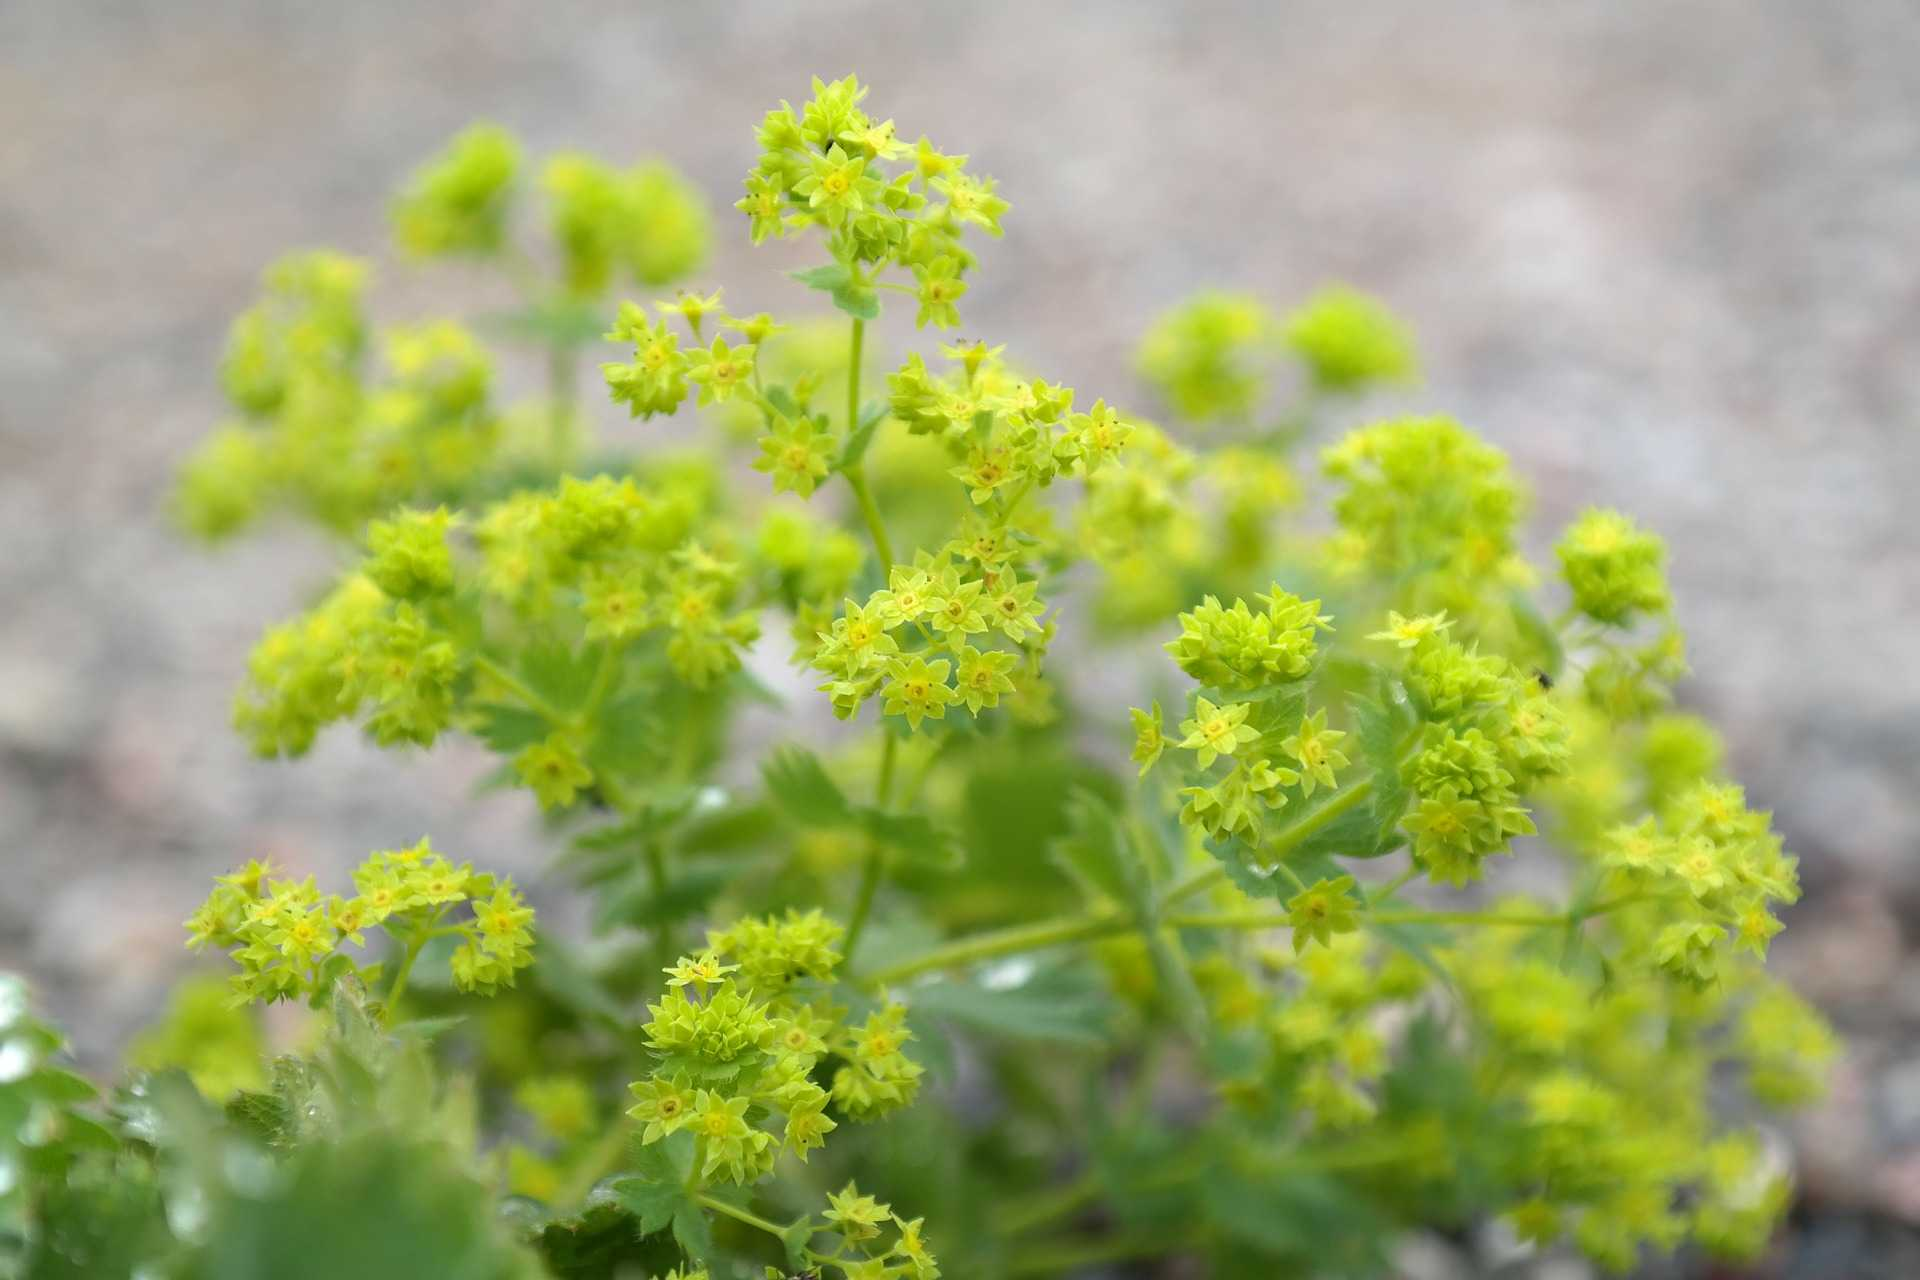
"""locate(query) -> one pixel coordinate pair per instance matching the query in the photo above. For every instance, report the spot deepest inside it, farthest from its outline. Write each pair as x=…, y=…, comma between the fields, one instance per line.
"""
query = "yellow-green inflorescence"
x=290, y=939
x=739, y=1033
x=1392, y=700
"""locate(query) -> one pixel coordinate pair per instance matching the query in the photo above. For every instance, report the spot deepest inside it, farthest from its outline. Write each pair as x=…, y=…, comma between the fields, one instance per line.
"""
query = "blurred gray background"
x=1668, y=255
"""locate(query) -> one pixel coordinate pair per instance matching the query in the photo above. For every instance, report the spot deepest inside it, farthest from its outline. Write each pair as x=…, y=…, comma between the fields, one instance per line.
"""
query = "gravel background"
x=1666, y=254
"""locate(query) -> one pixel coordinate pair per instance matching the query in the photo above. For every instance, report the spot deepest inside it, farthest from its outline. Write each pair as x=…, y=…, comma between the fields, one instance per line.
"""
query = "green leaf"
x=915, y=835
x=564, y=974
x=1098, y=854
x=782, y=399
x=859, y=301
x=629, y=738
x=1540, y=633
x=638, y=902
x=693, y=1231
x=853, y=296
x=1417, y=941
x=558, y=674
x=656, y=1192
x=828, y=278
x=652, y=1204
x=728, y=828
x=508, y=729
x=1124, y=863
x=794, y=1240
x=799, y=784
x=658, y=809
x=1057, y=1005
x=1260, y=876
x=1311, y=1219
x=871, y=416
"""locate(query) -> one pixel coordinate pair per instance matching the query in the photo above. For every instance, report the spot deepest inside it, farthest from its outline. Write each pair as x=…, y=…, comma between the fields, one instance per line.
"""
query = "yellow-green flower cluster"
x=1208, y=357
x=662, y=374
x=1267, y=745
x=1008, y=435
x=318, y=433
x=881, y=202
x=1429, y=508
x=621, y=559
x=1492, y=735
x=357, y=653
x=1142, y=524
x=648, y=222
x=1316, y=1024
x=427, y=631
x=864, y=1252
x=321, y=433
x=1604, y=1160
x=288, y=938
x=458, y=201
x=738, y=1036
x=1712, y=871
x=913, y=642
x=1616, y=570
x=1349, y=341
x=1242, y=648
x=1211, y=358
x=1555, y=1110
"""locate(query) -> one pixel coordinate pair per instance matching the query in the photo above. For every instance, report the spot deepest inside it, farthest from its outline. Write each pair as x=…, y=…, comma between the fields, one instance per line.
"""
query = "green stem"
x=1199, y=882
x=401, y=974
x=984, y=946
x=1012, y=504
x=1279, y=919
x=857, y=473
x=1061, y=1202
x=562, y=386
x=889, y=756
x=602, y=683
x=663, y=931
x=738, y=1214
x=1293, y=877
x=876, y=852
x=1392, y=886
x=853, y=376
x=870, y=512
x=1054, y=933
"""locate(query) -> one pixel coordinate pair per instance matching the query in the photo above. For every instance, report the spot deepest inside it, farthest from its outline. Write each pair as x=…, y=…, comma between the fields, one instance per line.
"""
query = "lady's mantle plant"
x=1425, y=905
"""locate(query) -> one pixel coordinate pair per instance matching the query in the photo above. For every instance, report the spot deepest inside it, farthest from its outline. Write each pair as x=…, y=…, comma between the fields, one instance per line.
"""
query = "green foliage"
x=1254, y=999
